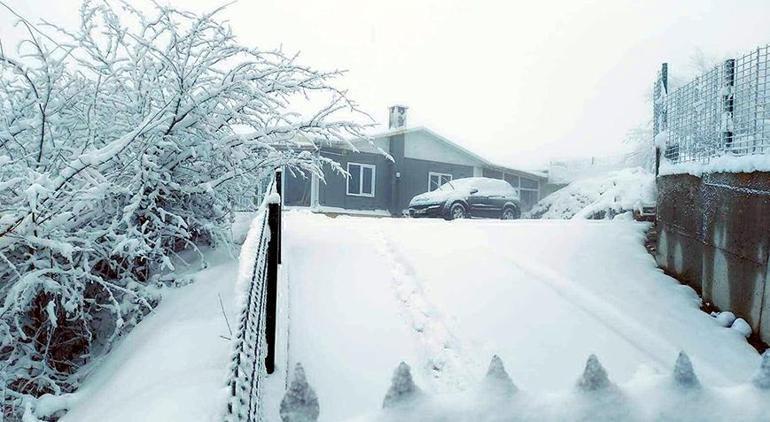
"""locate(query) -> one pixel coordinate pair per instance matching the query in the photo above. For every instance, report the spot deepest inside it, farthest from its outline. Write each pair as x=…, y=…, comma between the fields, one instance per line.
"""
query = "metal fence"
x=723, y=111
x=253, y=355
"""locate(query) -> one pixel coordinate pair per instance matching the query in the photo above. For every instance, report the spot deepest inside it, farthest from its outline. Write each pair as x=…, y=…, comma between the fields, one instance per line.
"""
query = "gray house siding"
x=333, y=191
x=414, y=177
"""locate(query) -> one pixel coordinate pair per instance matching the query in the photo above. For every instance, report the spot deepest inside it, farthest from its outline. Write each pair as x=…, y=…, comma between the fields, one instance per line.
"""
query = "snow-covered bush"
x=599, y=197
x=123, y=142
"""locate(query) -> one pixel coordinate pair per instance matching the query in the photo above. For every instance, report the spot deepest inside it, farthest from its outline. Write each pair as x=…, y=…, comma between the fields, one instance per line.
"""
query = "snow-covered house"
x=422, y=160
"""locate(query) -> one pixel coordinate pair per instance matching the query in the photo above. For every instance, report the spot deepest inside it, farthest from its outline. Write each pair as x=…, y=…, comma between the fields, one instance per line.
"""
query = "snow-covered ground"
x=368, y=293
x=172, y=366
x=360, y=294
x=599, y=196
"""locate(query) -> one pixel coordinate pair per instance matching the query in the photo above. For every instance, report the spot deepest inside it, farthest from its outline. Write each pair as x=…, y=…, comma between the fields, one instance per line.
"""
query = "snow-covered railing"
x=724, y=111
x=676, y=396
x=253, y=354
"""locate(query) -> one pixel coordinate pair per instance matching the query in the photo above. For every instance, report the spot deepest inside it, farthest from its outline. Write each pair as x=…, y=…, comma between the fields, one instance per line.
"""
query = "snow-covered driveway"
x=366, y=293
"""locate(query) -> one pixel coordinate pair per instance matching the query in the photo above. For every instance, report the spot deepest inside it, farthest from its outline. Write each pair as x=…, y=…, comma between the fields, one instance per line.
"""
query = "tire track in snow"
x=635, y=334
x=443, y=360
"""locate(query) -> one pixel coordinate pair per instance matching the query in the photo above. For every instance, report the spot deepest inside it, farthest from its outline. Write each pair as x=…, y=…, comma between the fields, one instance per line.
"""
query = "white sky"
x=519, y=82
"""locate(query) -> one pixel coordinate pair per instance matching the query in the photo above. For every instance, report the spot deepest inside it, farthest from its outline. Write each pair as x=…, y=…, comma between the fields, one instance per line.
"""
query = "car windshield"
x=448, y=186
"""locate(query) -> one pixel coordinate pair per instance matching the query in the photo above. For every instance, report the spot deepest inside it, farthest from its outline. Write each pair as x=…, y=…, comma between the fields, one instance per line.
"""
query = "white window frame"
x=435, y=173
x=361, y=179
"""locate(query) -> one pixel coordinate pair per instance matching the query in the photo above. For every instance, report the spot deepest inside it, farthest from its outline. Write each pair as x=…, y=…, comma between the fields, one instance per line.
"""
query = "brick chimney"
x=397, y=119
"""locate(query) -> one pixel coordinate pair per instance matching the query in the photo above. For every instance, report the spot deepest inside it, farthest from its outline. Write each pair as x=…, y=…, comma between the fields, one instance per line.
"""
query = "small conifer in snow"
x=684, y=375
x=300, y=404
x=762, y=377
x=402, y=388
x=497, y=381
x=594, y=376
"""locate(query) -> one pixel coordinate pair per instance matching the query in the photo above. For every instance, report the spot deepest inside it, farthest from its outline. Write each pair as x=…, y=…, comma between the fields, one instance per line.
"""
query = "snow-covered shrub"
x=599, y=197
x=121, y=144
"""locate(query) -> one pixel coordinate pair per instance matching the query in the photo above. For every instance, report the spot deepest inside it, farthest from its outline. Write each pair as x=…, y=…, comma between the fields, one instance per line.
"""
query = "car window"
x=498, y=187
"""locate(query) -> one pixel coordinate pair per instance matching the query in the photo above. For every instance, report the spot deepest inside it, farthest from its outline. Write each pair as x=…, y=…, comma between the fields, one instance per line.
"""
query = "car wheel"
x=457, y=211
x=509, y=213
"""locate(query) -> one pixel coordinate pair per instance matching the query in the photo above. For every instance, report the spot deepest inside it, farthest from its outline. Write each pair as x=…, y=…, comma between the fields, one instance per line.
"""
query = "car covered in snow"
x=469, y=197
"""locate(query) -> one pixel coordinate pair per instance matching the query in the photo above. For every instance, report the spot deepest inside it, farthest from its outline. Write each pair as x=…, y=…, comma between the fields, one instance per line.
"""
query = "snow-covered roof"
x=372, y=146
x=460, y=148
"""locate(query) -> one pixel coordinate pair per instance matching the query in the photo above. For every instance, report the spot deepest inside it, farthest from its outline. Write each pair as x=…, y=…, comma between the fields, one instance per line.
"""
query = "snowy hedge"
x=122, y=142
x=599, y=197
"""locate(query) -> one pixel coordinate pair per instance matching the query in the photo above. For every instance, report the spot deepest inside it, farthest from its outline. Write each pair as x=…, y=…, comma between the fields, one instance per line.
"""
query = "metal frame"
x=361, y=180
x=435, y=173
x=721, y=112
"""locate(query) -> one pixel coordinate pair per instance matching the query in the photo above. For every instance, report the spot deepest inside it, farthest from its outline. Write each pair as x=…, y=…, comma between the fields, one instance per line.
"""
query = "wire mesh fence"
x=253, y=353
x=249, y=351
x=721, y=112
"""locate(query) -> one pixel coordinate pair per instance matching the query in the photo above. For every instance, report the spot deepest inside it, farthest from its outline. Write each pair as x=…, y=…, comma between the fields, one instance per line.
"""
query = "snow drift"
x=599, y=197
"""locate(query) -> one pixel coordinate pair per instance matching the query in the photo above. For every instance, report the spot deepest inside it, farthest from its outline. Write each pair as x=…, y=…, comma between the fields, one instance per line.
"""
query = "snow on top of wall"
x=725, y=164
x=600, y=196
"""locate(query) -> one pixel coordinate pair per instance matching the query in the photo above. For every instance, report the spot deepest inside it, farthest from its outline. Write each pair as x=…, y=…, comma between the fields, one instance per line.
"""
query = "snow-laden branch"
x=122, y=141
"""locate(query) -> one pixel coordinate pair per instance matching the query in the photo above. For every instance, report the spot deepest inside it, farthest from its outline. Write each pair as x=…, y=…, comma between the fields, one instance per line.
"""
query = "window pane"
x=446, y=178
x=434, y=182
x=354, y=183
x=368, y=176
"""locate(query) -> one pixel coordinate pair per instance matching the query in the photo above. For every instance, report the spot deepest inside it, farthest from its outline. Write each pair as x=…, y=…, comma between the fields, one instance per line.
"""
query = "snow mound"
x=599, y=197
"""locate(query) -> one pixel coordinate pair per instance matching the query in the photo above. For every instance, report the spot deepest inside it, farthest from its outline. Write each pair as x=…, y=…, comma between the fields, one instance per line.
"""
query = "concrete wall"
x=714, y=234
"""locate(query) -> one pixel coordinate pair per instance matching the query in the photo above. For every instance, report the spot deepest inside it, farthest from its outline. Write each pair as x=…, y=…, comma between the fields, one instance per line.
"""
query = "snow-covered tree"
x=122, y=142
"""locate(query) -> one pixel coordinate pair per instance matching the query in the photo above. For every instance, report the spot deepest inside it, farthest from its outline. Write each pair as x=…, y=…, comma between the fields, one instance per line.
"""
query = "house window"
x=435, y=180
x=361, y=180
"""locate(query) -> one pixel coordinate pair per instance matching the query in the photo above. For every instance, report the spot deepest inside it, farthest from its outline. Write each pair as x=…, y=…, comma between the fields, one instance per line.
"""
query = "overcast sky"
x=519, y=82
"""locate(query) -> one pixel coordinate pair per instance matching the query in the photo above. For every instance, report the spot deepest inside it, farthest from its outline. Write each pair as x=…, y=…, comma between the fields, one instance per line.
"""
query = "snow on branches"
x=122, y=142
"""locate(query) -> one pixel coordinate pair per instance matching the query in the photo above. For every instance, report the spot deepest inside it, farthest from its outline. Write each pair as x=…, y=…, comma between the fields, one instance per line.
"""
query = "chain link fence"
x=723, y=111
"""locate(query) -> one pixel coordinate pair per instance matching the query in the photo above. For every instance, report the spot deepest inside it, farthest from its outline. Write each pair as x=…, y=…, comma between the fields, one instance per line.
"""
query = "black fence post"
x=728, y=102
x=273, y=254
x=279, y=189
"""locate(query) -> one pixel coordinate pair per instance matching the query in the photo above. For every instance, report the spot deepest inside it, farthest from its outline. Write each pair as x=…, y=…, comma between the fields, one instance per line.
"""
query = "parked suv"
x=470, y=197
